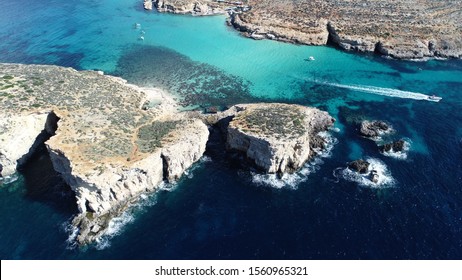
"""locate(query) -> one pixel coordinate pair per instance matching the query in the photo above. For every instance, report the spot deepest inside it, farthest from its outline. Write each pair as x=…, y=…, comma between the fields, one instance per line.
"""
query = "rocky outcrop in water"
x=374, y=128
x=147, y=4
x=396, y=146
x=105, y=146
x=361, y=166
x=110, y=147
x=276, y=137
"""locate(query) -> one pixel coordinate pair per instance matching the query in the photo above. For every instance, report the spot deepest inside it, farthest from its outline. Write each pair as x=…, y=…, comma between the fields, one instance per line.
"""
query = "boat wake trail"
x=387, y=92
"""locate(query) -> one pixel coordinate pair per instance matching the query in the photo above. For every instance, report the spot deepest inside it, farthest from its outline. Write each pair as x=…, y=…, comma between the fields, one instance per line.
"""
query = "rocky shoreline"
x=110, y=146
x=400, y=29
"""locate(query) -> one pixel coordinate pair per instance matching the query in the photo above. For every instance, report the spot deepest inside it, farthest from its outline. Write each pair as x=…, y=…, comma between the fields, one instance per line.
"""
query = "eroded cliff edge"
x=403, y=29
x=278, y=138
x=112, y=141
x=106, y=142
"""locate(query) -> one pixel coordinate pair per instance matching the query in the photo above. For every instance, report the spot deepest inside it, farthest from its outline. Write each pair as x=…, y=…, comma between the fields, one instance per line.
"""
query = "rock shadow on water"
x=44, y=184
x=195, y=83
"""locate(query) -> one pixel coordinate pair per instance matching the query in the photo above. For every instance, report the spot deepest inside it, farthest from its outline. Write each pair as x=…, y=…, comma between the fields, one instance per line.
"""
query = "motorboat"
x=434, y=98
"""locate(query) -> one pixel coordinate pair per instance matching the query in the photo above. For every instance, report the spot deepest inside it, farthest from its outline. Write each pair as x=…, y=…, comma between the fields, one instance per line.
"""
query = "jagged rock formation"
x=374, y=128
x=147, y=4
x=110, y=145
x=396, y=146
x=104, y=145
x=276, y=137
x=361, y=166
x=17, y=143
x=403, y=29
x=204, y=7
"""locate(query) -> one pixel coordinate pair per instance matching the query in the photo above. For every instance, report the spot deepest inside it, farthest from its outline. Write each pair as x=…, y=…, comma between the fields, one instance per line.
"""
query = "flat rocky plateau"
x=112, y=141
x=402, y=29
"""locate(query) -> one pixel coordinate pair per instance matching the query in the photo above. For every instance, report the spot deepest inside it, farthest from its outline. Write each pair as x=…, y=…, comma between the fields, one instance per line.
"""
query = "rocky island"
x=402, y=29
x=112, y=141
x=279, y=138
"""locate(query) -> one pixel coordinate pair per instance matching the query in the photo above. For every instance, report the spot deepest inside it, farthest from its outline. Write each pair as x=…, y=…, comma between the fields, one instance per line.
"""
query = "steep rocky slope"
x=403, y=29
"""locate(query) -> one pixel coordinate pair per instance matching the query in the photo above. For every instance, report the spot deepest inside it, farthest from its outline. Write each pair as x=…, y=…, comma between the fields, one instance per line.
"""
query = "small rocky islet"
x=110, y=147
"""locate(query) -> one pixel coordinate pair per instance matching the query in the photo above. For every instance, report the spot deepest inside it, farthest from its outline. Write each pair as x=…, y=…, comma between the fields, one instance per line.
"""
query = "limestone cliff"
x=277, y=137
x=196, y=7
x=110, y=145
x=106, y=147
x=403, y=29
x=147, y=4
x=18, y=134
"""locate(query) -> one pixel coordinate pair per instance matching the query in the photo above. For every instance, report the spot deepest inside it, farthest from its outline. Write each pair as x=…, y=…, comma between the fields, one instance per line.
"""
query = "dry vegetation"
x=278, y=121
x=100, y=116
x=401, y=28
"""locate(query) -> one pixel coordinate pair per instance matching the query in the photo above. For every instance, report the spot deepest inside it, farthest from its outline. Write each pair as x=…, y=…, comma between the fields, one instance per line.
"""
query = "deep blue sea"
x=220, y=210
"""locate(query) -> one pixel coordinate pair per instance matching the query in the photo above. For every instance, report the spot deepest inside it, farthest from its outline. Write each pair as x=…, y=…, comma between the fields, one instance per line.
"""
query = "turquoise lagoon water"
x=220, y=209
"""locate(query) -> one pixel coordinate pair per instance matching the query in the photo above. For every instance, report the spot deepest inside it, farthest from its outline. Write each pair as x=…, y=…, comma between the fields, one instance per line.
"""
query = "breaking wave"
x=9, y=179
x=291, y=181
x=72, y=232
x=385, y=179
x=115, y=227
x=402, y=155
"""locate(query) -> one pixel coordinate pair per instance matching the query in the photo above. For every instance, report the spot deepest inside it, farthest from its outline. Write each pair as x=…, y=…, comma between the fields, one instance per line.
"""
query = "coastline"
x=112, y=142
x=400, y=30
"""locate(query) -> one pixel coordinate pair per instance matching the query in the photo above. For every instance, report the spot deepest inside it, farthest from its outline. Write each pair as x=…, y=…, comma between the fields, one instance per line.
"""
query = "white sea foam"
x=116, y=225
x=164, y=186
x=72, y=232
x=402, y=155
x=292, y=181
x=336, y=129
x=205, y=159
x=9, y=179
x=385, y=179
x=391, y=92
x=114, y=228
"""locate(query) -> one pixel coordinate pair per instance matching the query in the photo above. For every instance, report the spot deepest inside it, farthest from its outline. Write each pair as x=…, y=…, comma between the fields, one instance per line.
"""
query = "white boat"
x=311, y=58
x=142, y=38
x=137, y=25
x=434, y=98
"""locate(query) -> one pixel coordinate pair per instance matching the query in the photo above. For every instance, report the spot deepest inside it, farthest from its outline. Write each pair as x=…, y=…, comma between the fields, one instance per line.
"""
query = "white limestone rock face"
x=107, y=145
x=276, y=137
x=100, y=191
x=18, y=133
x=188, y=148
x=147, y=4
x=317, y=36
x=200, y=8
x=105, y=192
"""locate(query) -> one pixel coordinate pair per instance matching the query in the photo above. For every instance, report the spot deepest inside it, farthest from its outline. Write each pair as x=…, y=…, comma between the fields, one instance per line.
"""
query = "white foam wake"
x=385, y=179
x=292, y=181
x=391, y=92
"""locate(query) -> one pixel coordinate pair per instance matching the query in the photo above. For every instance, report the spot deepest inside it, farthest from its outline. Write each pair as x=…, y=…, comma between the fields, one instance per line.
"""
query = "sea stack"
x=277, y=137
